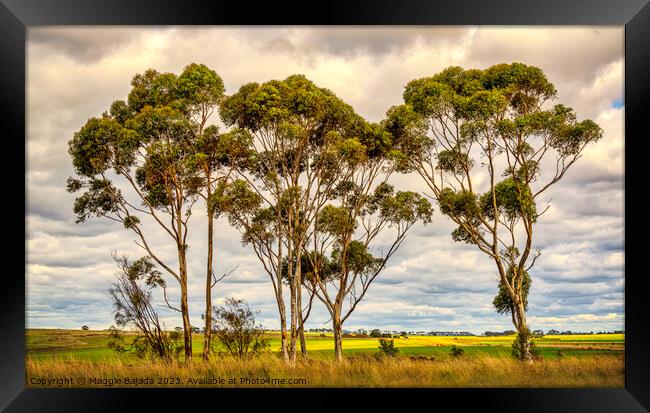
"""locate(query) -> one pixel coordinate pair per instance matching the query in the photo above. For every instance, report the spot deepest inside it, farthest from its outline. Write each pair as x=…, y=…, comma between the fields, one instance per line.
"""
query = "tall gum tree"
x=303, y=143
x=138, y=161
x=213, y=158
x=501, y=117
x=366, y=217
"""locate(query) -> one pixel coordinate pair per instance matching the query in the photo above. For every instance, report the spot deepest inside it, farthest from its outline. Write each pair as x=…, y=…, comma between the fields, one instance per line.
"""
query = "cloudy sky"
x=432, y=283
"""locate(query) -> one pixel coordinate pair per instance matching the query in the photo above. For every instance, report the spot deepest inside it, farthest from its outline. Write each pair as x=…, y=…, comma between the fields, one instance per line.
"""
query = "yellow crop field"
x=423, y=361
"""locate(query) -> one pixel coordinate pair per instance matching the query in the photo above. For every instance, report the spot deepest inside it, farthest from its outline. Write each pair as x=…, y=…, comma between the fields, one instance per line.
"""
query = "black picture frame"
x=17, y=15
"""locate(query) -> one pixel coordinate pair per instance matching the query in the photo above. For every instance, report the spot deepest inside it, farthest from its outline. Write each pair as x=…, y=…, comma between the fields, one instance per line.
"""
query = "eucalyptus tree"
x=304, y=141
x=365, y=218
x=262, y=229
x=215, y=157
x=138, y=160
x=202, y=89
x=502, y=118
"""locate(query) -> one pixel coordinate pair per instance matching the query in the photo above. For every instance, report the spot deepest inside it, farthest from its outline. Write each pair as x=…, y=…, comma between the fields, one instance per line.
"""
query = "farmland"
x=567, y=361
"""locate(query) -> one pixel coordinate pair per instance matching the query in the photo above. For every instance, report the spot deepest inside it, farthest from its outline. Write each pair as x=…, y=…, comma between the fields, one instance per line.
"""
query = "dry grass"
x=480, y=371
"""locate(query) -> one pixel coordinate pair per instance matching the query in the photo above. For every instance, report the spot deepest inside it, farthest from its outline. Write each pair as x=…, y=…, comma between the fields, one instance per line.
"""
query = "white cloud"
x=432, y=282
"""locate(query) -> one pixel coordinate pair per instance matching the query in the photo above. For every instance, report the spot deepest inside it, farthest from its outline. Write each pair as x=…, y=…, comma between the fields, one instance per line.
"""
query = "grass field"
x=585, y=361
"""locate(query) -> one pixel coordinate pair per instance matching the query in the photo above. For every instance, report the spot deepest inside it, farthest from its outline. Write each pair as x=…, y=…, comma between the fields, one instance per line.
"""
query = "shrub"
x=237, y=331
x=387, y=348
x=516, y=348
x=85, y=328
x=457, y=351
x=132, y=301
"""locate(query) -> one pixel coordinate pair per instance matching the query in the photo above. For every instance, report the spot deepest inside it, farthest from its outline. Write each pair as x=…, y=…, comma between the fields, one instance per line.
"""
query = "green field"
x=74, y=358
x=44, y=344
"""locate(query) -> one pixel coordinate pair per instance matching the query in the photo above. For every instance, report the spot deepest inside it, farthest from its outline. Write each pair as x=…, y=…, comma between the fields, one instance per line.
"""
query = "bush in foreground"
x=387, y=348
x=457, y=351
x=237, y=331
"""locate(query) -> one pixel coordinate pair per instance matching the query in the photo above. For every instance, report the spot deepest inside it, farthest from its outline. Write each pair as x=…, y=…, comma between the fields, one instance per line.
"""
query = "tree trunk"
x=208, y=290
x=338, y=338
x=292, y=294
x=524, y=342
x=338, y=304
x=283, y=332
x=518, y=314
x=187, y=327
x=303, y=342
x=301, y=327
x=294, y=322
x=524, y=333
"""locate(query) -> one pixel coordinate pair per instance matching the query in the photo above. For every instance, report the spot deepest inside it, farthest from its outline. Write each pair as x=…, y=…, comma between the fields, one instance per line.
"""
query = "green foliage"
x=154, y=89
x=458, y=203
x=405, y=207
x=336, y=221
x=144, y=269
x=242, y=205
x=525, y=86
x=428, y=97
x=238, y=333
x=518, y=344
x=235, y=198
x=198, y=85
x=163, y=124
x=93, y=148
x=502, y=301
x=307, y=122
x=356, y=257
x=314, y=267
x=258, y=106
x=132, y=301
x=454, y=161
x=131, y=221
x=395, y=208
x=457, y=351
x=568, y=136
x=230, y=148
x=408, y=132
x=513, y=200
x=121, y=111
x=387, y=348
x=352, y=151
x=100, y=198
x=505, y=98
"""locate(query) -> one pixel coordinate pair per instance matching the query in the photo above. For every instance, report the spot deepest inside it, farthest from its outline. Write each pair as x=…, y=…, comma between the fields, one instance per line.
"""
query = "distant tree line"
x=551, y=332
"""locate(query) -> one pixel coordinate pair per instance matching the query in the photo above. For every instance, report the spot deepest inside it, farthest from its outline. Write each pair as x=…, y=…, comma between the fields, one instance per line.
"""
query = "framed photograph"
x=441, y=200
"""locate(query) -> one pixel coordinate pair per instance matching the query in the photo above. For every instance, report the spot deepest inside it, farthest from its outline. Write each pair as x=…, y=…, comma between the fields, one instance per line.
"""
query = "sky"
x=432, y=283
